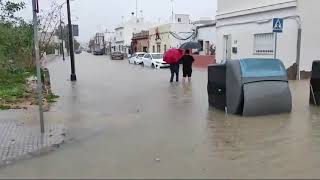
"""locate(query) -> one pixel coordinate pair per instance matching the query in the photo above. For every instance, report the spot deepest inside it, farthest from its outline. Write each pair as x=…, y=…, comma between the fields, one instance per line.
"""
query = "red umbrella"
x=173, y=56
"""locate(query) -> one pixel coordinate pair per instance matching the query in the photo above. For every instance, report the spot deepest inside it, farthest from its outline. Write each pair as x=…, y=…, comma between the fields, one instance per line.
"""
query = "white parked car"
x=136, y=58
x=154, y=60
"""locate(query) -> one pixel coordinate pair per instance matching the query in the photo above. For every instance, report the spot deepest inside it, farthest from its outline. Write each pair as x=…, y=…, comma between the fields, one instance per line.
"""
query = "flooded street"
x=127, y=121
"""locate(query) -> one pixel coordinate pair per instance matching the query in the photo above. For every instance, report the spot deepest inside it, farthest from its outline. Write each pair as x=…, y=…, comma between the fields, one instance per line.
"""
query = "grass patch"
x=14, y=90
x=13, y=85
x=3, y=107
x=51, y=98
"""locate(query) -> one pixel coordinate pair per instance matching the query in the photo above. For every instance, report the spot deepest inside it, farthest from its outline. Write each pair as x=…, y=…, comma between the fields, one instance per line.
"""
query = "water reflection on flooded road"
x=130, y=122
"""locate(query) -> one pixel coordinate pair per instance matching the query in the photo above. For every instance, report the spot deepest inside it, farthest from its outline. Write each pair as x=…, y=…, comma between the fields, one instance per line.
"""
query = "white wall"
x=243, y=28
x=226, y=6
x=131, y=26
x=164, y=35
x=184, y=31
x=207, y=34
x=242, y=31
x=185, y=18
x=310, y=48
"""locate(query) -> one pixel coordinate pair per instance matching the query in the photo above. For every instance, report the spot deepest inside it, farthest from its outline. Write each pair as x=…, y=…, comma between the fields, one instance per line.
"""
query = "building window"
x=165, y=48
x=153, y=49
x=158, y=48
x=179, y=20
x=201, y=43
x=264, y=44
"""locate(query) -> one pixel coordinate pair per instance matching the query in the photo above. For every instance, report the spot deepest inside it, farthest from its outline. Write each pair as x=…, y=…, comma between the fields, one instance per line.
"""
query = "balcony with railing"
x=141, y=35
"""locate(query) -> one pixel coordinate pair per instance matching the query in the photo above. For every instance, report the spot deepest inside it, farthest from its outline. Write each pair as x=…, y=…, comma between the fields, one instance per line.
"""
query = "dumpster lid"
x=259, y=67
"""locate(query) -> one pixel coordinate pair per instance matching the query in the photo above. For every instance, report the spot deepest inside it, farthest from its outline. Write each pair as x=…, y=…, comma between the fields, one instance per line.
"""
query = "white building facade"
x=171, y=35
x=206, y=36
x=124, y=32
x=244, y=30
x=109, y=38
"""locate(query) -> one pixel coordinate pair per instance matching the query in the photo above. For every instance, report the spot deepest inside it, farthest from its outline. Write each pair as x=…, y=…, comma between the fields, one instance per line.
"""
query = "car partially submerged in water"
x=117, y=55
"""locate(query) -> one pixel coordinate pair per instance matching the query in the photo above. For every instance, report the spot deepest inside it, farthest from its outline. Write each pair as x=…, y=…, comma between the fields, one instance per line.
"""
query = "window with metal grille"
x=158, y=48
x=264, y=44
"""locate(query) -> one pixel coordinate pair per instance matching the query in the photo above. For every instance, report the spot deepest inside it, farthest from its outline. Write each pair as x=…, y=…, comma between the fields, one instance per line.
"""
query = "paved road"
x=129, y=122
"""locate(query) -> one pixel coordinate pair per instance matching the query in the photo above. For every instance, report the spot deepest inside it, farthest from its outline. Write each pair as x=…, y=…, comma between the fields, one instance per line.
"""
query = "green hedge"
x=15, y=47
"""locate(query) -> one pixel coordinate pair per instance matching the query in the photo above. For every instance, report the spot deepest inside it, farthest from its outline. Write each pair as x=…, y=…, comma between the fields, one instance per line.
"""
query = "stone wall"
x=202, y=61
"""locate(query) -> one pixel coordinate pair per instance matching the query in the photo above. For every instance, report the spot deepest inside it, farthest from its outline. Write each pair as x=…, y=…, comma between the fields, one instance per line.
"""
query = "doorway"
x=227, y=47
x=207, y=48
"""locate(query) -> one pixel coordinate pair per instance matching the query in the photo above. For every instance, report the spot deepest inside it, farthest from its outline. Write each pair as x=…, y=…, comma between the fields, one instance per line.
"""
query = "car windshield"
x=141, y=55
x=157, y=56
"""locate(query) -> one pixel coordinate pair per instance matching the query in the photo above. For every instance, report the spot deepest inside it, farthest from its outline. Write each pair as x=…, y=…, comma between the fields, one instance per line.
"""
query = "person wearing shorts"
x=187, y=61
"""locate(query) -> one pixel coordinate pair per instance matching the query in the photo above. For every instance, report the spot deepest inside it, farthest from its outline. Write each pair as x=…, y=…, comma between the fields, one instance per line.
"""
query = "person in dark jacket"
x=174, y=68
x=187, y=60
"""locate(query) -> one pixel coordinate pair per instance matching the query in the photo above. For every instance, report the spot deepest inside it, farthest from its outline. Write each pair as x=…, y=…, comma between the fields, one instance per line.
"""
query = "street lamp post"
x=71, y=44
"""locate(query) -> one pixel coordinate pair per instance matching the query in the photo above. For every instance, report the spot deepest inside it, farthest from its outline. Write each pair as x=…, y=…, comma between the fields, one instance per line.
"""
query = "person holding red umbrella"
x=174, y=68
x=172, y=57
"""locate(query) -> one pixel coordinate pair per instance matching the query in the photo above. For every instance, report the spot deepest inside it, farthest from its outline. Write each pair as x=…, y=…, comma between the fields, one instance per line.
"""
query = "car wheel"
x=152, y=65
x=142, y=64
x=135, y=63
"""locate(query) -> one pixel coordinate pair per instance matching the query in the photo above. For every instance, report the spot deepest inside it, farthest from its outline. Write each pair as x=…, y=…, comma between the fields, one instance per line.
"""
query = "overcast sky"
x=96, y=15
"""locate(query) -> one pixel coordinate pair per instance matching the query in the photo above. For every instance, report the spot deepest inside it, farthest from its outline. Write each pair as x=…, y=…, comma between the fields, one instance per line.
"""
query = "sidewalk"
x=20, y=136
x=19, y=140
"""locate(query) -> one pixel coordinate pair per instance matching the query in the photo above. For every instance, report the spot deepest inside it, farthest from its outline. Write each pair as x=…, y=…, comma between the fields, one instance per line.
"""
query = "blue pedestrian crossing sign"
x=277, y=25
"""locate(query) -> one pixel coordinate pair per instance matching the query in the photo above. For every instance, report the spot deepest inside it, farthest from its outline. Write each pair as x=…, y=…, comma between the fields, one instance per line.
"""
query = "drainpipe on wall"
x=299, y=50
x=299, y=37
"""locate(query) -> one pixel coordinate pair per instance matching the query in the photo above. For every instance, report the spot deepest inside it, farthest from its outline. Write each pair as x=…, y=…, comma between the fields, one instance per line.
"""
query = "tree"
x=48, y=23
x=8, y=10
x=15, y=38
x=65, y=37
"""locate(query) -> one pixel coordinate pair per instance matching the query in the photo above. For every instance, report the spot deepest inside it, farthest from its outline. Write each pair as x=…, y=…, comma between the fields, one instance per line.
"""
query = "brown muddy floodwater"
x=129, y=122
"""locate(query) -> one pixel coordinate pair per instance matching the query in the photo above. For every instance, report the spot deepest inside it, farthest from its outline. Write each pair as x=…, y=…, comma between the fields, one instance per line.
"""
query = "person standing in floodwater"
x=187, y=60
x=174, y=68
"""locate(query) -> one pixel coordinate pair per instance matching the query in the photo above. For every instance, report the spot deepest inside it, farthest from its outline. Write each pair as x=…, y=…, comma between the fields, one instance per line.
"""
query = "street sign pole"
x=277, y=28
x=275, y=44
x=35, y=9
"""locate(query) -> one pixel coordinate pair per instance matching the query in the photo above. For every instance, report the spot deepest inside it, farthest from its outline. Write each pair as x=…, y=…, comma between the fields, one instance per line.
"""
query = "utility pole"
x=37, y=58
x=172, y=13
x=137, y=10
x=61, y=34
x=71, y=44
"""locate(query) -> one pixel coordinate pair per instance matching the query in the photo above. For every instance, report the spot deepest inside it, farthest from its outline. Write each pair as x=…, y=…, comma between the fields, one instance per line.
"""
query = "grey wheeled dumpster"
x=217, y=86
x=315, y=84
x=254, y=87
